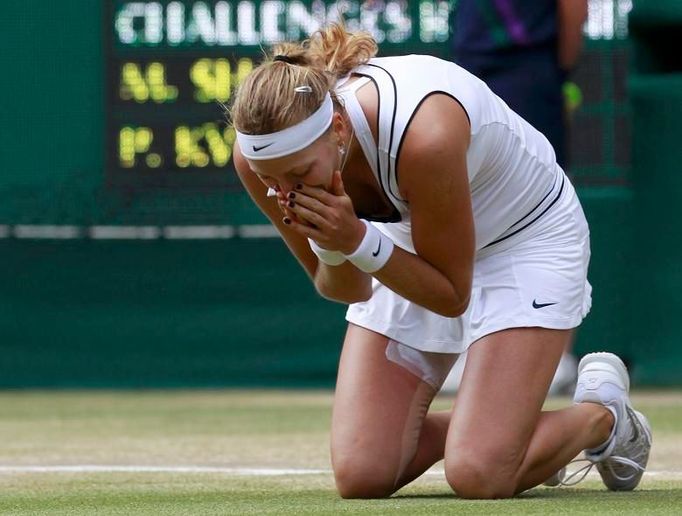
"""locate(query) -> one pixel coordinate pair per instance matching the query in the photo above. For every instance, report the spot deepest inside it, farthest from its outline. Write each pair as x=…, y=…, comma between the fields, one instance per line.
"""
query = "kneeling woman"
x=408, y=190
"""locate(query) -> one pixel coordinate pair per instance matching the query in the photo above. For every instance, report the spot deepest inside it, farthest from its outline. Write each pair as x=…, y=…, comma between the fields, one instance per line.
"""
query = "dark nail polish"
x=299, y=186
x=291, y=204
x=286, y=220
x=292, y=195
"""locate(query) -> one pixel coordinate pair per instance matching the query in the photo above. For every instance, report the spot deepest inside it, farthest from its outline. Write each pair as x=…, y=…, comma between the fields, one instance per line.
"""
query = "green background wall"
x=236, y=312
x=52, y=107
x=656, y=98
x=162, y=313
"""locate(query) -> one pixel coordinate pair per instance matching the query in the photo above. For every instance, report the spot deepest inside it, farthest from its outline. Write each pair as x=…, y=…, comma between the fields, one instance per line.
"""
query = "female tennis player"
x=408, y=190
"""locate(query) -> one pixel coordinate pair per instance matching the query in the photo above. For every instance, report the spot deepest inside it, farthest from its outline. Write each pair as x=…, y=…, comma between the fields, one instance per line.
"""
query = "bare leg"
x=381, y=438
x=559, y=437
x=499, y=442
x=430, y=448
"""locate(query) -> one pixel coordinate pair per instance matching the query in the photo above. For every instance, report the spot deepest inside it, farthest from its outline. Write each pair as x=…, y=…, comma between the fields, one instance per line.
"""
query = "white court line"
x=232, y=471
x=91, y=468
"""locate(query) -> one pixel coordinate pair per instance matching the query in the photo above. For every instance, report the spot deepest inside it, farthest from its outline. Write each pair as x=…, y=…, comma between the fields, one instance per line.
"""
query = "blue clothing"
x=488, y=26
x=512, y=45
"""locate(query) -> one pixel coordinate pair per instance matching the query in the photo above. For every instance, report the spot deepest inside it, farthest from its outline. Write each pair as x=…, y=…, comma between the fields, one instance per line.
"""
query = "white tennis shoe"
x=621, y=461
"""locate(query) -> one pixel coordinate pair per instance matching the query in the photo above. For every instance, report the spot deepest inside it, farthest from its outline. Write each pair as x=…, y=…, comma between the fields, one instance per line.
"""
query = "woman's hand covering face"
x=325, y=216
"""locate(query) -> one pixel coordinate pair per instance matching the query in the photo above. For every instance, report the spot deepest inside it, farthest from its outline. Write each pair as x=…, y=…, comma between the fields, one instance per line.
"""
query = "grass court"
x=254, y=452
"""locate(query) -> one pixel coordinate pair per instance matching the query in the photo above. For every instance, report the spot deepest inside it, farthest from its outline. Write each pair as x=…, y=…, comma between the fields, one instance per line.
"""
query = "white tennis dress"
x=532, y=239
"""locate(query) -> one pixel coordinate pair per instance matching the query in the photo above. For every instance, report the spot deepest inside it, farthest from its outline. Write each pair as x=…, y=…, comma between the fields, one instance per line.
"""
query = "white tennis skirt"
x=537, y=278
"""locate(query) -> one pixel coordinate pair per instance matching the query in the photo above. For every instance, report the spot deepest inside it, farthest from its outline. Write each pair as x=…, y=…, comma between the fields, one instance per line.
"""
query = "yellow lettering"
x=212, y=79
x=215, y=79
x=188, y=152
x=140, y=84
x=131, y=142
x=154, y=160
x=203, y=146
x=244, y=68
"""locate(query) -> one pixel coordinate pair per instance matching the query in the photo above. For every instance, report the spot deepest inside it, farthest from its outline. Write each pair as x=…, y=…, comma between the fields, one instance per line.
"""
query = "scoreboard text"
x=172, y=66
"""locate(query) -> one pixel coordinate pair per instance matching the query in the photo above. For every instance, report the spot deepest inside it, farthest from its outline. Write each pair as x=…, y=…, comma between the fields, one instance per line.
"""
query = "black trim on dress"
x=561, y=189
x=402, y=138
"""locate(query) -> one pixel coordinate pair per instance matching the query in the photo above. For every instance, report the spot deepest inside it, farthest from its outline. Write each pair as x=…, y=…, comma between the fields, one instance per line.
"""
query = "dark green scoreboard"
x=172, y=66
x=112, y=110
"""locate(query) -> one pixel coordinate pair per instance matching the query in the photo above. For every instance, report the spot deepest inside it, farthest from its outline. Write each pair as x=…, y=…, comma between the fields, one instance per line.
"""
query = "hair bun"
x=283, y=58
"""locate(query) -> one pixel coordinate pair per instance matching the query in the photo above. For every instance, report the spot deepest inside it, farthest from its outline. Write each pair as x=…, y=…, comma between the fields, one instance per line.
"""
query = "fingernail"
x=291, y=204
x=292, y=195
x=286, y=220
x=299, y=186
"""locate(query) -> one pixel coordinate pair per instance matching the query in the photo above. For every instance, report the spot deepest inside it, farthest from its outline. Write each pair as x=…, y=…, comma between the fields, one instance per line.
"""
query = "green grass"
x=213, y=494
x=257, y=430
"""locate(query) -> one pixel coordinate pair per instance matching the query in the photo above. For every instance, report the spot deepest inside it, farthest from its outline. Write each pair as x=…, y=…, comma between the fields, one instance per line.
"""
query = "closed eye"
x=300, y=173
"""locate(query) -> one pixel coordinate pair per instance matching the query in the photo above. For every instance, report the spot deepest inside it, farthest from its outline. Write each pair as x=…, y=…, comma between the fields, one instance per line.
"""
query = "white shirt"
x=513, y=176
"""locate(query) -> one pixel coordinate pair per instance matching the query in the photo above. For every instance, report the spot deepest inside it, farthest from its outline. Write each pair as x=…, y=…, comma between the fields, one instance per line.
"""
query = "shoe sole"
x=615, y=364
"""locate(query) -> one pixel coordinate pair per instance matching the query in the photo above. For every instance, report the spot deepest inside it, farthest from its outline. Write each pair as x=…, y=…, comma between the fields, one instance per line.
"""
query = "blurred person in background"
x=524, y=50
x=408, y=190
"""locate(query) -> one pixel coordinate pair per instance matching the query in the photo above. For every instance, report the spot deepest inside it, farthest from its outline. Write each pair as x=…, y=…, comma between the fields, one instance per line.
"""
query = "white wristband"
x=374, y=250
x=325, y=255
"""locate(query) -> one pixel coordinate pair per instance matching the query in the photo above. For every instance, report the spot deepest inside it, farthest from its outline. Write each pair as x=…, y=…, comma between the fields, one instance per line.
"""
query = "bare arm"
x=342, y=283
x=433, y=177
x=572, y=15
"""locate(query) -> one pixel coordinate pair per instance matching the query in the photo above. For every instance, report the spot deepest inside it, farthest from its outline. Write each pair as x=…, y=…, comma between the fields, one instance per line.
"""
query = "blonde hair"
x=267, y=101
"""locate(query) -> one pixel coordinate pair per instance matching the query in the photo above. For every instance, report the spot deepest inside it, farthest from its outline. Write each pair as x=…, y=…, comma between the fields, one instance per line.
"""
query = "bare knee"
x=475, y=478
x=358, y=477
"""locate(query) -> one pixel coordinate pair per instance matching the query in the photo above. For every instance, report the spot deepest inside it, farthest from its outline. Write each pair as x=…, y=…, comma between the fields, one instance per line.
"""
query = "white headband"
x=289, y=140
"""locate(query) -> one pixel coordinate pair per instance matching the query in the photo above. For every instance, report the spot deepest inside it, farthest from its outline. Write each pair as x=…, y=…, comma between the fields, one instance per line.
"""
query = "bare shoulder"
x=437, y=138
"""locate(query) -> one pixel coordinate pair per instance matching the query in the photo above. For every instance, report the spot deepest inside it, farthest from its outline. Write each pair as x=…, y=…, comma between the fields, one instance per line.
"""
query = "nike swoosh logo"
x=256, y=149
x=537, y=305
x=375, y=254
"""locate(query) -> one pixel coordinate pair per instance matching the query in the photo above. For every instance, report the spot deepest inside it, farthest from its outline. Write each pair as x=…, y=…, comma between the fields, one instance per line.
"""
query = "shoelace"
x=583, y=471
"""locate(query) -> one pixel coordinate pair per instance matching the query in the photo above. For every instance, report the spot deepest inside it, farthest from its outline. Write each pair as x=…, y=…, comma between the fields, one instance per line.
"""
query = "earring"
x=342, y=149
